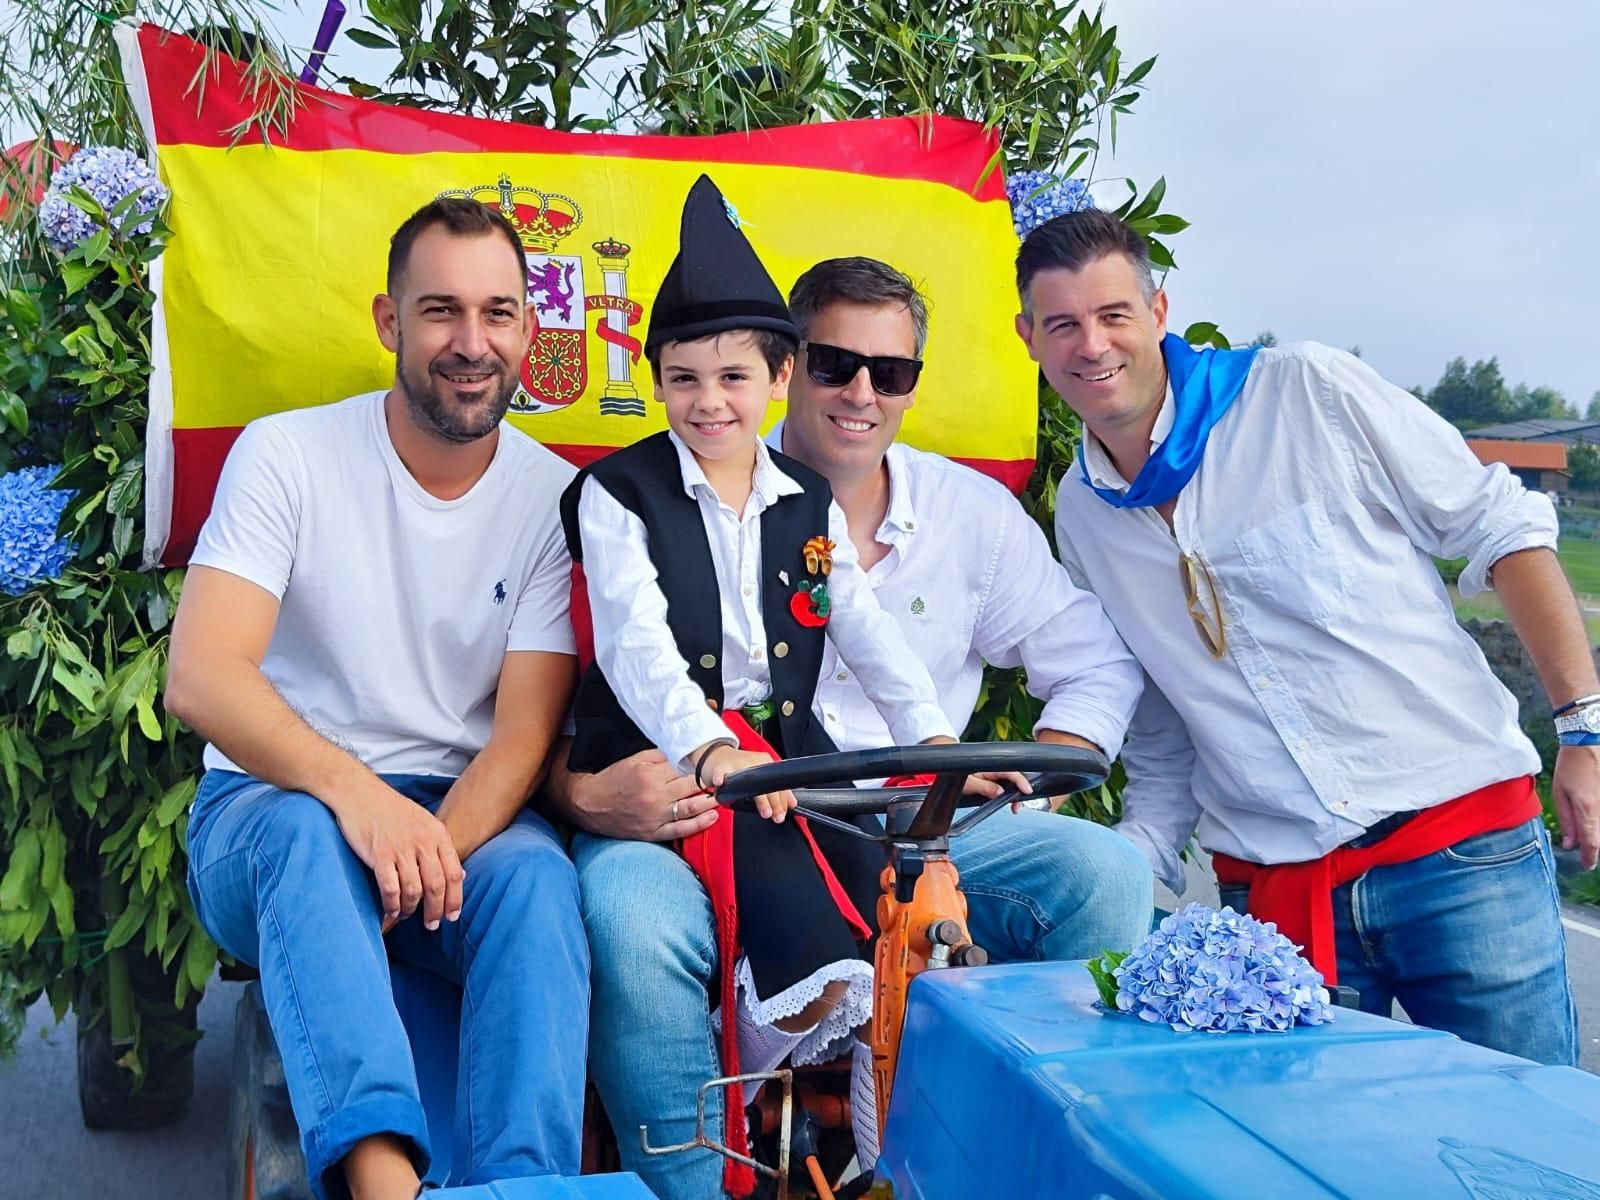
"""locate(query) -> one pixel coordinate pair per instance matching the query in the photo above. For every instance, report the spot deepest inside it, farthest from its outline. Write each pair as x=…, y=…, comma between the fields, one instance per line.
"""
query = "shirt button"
x=1263, y=681
x=1341, y=805
x=787, y=708
x=842, y=676
x=758, y=654
x=1303, y=744
x=910, y=526
x=748, y=590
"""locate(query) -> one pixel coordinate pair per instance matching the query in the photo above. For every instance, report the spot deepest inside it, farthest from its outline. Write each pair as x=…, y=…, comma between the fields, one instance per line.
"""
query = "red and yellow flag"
x=266, y=287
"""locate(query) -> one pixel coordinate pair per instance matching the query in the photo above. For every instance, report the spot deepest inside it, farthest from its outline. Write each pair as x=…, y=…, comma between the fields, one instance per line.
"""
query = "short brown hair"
x=1073, y=240
x=857, y=280
x=462, y=217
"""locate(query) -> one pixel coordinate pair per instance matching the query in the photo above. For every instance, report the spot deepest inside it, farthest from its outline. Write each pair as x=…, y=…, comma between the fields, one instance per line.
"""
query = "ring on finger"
x=674, y=810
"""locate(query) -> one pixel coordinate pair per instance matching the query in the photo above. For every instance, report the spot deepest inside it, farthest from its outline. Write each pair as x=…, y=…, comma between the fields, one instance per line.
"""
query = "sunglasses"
x=1213, y=633
x=834, y=366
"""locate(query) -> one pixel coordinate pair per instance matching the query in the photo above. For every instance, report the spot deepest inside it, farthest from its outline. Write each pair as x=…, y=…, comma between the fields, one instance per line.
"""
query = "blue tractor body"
x=1013, y=1082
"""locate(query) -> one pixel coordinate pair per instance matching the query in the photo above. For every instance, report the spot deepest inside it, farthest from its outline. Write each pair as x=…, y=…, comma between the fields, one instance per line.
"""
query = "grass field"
x=1580, y=558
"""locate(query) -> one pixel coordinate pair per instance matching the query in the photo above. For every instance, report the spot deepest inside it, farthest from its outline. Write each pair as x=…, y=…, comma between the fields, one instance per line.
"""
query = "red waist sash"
x=1298, y=897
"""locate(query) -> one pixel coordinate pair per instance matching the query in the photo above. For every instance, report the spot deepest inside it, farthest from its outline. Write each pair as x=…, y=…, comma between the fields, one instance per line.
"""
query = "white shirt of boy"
x=397, y=608
x=1348, y=692
x=641, y=662
x=971, y=580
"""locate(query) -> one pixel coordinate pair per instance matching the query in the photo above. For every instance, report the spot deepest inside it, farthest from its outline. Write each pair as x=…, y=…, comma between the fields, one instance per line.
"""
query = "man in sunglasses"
x=1258, y=524
x=970, y=577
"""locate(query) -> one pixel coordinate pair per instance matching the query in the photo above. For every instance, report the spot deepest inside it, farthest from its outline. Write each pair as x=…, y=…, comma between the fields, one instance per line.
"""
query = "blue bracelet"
x=1578, y=738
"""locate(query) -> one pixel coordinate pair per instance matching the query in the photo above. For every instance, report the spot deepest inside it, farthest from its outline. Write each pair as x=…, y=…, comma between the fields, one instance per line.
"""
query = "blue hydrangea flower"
x=1220, y=971
x=108, y=174
x=1037, y=196
x=30, y=551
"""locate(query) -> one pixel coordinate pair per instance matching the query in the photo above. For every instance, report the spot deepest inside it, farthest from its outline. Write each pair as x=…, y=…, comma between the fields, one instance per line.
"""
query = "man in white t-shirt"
x=374, y=639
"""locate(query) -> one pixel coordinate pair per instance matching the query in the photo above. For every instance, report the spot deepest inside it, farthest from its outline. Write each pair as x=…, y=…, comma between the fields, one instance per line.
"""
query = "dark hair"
x=775, y=348
x=462, y=217
x=1073, y=240
x=857, y=281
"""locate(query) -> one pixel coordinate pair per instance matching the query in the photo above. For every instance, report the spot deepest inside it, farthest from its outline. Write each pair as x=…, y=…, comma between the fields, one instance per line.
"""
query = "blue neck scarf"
x=1204, y=384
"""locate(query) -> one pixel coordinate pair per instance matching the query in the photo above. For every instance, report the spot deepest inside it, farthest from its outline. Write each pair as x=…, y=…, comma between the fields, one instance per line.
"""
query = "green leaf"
x=1105, y=981
x=8, y=762
x=78, y=684
x=23, y=309
x=128, y=923
x=174, y=801
x=1200, y=333
x=14, y=411
x=365, y=37
x=77, y=276
x=21, y=876
x=199, y=958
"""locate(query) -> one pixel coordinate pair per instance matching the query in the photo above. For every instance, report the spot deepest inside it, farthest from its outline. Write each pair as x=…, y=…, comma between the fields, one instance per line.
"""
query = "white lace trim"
x=831, y=1037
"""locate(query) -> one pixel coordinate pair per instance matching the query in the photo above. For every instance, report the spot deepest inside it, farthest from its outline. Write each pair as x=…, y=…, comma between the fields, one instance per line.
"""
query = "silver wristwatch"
x=1579, y=720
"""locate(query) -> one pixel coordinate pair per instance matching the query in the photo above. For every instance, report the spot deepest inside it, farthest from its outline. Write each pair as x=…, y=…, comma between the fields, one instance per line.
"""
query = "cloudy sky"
x=1419, y=177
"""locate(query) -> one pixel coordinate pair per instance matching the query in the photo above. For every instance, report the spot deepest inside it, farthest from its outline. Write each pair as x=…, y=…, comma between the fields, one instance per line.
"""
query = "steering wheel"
x=915, y=813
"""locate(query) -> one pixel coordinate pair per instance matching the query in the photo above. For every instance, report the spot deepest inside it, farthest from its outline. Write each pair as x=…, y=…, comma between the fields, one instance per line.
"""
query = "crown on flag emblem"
x=556, y=371
x=541, y=219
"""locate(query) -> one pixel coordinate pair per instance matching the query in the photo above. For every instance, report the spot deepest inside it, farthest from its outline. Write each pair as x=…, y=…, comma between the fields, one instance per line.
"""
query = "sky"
x=1419, y=178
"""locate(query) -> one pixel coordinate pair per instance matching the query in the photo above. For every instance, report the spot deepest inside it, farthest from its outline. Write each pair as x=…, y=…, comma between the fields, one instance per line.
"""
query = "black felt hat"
x=717, y=282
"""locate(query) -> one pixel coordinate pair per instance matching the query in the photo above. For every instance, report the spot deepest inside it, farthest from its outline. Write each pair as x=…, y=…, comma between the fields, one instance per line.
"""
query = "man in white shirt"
x=1312, y=710
x=374, y=639
x=953, y=557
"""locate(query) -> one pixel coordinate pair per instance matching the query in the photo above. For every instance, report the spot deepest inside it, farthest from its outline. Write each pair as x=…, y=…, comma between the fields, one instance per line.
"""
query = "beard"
x=454, y=421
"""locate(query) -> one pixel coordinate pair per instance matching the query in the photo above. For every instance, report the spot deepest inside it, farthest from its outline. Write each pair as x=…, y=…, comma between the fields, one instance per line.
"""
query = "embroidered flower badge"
x=811, y=603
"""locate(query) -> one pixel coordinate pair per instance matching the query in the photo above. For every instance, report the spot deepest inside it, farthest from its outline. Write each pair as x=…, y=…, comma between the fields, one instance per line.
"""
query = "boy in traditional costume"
x=714, y=567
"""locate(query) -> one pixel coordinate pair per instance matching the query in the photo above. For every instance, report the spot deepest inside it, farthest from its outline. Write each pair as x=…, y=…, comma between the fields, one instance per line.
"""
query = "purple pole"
x=331, y=18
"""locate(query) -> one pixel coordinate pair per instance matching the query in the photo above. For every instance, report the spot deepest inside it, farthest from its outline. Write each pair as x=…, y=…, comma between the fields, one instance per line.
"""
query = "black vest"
x=645, y=478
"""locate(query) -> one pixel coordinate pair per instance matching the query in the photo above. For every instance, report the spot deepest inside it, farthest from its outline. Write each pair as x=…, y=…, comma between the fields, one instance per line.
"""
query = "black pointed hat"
x=717, y=282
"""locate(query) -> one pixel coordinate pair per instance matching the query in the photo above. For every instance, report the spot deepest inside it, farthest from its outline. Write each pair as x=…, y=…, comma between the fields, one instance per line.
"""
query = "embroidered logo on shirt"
x=500, y=592
x=918, y=607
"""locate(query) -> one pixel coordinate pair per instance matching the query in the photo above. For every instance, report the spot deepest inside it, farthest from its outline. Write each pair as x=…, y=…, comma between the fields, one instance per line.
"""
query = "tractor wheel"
x=264, y=1158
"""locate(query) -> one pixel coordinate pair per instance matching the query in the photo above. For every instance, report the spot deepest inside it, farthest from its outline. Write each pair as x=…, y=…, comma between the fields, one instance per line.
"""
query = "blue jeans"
x=276, y=885
x=1038, y=887
x=1469, y=940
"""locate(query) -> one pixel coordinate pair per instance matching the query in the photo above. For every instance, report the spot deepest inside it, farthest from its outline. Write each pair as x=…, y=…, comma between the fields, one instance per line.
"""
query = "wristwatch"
x=1580, y=720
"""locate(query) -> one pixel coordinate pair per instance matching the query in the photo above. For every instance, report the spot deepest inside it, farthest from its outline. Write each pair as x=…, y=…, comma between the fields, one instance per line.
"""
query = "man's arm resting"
x=214, y=684
x=1544, y=612
x=640, y=798
x=533, y=693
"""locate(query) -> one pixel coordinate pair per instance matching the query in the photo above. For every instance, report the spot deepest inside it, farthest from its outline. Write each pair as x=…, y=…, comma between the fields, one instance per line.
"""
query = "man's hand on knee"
x=641, y=798
x=410, y=852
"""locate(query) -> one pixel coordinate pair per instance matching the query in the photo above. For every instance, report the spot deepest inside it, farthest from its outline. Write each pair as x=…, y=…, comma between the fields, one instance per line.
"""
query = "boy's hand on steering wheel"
x=989, y=784
x=723, y=760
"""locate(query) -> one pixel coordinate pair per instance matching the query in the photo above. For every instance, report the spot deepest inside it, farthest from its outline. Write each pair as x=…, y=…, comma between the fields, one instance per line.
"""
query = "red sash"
x=1298, y=897
x=710, y=854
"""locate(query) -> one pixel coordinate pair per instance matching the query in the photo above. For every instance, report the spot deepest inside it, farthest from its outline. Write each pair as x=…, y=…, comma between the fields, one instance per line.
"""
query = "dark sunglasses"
x=834, y=366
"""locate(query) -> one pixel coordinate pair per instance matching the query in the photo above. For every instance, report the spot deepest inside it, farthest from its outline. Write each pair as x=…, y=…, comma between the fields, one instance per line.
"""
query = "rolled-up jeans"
x=1038, y=886
x=1468, y=939
x=277, y=886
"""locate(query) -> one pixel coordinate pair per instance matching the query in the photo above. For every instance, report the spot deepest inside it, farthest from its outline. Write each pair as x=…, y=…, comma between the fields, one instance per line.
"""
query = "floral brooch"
x=811, y=603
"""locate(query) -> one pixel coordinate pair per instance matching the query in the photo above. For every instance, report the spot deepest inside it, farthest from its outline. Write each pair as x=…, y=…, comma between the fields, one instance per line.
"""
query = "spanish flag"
x=264, y=292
